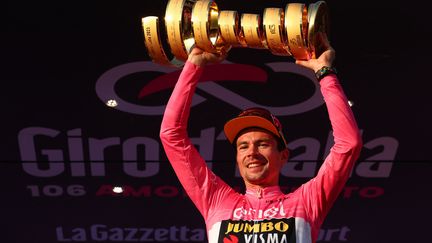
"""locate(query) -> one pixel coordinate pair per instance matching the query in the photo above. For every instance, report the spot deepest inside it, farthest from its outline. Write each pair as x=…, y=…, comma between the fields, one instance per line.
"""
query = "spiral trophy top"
x=290, y=31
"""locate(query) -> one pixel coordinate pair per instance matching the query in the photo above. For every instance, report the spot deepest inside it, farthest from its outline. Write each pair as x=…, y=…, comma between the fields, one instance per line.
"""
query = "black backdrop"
x=63, y=150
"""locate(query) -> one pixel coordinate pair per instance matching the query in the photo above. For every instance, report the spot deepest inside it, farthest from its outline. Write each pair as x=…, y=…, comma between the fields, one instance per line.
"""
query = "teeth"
x=253, y=165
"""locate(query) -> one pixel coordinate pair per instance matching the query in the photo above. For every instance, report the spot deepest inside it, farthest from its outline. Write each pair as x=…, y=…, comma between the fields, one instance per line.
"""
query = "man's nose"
x=253, y=150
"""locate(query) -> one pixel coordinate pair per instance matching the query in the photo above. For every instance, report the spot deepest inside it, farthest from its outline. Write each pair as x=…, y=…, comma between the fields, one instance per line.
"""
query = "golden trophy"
x=291, y=31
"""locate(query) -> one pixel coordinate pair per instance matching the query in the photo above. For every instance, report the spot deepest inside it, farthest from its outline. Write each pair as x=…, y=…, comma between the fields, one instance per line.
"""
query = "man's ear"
x=285, y=155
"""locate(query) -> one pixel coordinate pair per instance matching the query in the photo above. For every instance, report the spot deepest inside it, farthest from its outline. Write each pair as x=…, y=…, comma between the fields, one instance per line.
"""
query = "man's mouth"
x=254, y=165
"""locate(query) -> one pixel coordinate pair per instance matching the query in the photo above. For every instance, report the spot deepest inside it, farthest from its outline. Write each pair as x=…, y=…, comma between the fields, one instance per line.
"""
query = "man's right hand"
x=325, y=59
x=201, y=58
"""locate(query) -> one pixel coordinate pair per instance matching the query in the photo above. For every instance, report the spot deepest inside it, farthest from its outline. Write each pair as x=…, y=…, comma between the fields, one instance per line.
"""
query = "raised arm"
x=188, y=164
x=321, y=192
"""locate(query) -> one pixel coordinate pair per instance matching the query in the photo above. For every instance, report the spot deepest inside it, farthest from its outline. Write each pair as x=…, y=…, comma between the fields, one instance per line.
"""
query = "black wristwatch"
x=324, y=71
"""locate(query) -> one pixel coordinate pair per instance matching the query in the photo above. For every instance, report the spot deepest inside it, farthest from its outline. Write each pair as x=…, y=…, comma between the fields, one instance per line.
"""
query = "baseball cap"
x=254, y=117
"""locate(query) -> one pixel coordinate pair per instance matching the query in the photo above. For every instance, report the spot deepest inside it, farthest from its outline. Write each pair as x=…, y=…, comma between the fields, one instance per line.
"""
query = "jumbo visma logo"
x=226, y=71
x=274, y=231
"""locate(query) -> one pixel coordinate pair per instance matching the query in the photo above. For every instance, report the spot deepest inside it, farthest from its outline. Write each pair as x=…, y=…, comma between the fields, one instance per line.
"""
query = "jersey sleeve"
x=205, y=189
x=321, y=191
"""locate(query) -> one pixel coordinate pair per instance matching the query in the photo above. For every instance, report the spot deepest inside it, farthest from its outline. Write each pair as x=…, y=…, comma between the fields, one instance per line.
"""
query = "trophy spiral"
x=284, y=32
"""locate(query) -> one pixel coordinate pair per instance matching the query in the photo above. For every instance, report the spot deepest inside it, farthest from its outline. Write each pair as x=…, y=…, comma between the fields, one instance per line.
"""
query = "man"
x=263, y=213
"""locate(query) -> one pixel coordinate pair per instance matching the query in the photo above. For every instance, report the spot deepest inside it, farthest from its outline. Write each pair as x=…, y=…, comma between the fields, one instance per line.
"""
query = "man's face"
x=258, y=158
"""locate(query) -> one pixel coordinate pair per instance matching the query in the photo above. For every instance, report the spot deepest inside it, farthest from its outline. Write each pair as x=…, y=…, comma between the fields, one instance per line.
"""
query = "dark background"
x=53, y=53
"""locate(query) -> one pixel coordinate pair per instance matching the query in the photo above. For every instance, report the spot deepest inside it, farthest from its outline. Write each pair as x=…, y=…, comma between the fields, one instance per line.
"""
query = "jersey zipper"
x=258, y=211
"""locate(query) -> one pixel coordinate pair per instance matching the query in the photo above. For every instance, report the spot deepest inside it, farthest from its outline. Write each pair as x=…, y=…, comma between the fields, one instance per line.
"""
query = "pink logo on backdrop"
x=215, y=73
x=212, y=75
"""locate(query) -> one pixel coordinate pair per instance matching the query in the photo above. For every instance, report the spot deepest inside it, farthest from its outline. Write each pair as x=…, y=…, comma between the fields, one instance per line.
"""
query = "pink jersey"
x=265, y=215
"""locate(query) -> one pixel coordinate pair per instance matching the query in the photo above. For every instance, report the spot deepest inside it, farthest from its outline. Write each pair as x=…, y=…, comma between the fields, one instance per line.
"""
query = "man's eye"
x=242, y=147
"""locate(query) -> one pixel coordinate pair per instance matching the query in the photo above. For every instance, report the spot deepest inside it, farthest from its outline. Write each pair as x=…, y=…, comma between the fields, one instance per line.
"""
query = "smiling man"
x=261, y=146
x=263, y=213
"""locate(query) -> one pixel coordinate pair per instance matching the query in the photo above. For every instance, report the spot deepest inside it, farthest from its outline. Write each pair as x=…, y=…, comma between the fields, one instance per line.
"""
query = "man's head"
x=261, y=147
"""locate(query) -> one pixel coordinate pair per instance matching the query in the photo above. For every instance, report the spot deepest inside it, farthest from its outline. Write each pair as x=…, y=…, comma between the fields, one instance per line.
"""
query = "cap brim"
x=235, y=125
